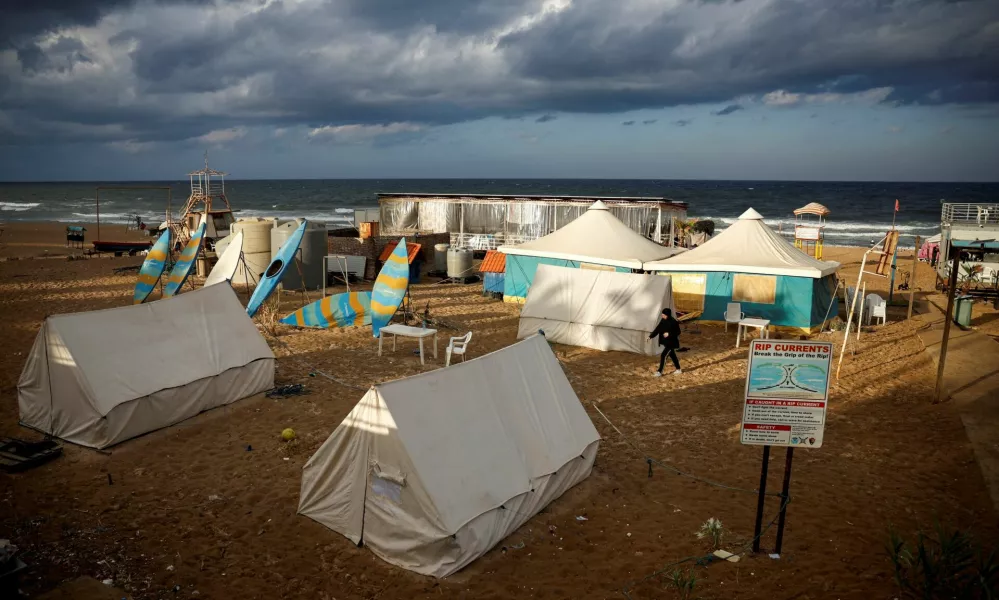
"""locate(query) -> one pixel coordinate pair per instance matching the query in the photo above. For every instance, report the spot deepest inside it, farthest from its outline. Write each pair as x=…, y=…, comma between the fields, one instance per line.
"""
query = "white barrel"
x=311, y=252
x=256, y=248
x=440, y=256
x=459, y=262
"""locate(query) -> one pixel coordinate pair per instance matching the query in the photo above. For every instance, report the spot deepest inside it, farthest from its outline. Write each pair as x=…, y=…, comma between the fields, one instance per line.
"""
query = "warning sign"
x=787, y=389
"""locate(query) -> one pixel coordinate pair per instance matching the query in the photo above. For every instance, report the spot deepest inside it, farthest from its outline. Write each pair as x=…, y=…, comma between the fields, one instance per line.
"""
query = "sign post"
x=787, y=391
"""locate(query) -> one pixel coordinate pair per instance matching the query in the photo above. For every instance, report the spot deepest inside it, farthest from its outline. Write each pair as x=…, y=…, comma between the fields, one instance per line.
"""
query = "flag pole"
x=894, y=214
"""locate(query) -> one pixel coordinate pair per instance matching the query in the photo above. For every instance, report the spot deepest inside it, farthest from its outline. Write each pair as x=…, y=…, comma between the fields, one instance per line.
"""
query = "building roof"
x=596, y=236
x=747, y=246
x=412, y=249
x=494, y=262
x=812, y=208
x=537, y=198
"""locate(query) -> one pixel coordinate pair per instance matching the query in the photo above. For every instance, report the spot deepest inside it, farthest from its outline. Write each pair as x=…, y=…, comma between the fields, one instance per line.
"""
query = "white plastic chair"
x=457, y=345
x=733, y=314
x=875, y=307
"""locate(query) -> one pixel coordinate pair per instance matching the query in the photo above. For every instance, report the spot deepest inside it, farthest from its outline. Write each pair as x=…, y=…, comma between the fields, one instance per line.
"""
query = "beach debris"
x=629, y=534
x=249, y=448
x=722, y=554
x=288, y=434
x=108, y=582
x=169, y=567
x=581, y=518
x=287, y=391
x=774, y=556
x=214, y=497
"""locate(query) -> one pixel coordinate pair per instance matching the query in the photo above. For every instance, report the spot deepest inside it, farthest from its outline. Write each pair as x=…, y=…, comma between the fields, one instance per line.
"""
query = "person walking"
x=668, y=330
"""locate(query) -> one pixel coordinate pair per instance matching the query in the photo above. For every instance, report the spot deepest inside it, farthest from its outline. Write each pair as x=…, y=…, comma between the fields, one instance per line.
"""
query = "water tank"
x=311, y=252
x=440, y=257
x=256, y=248
x=459, y=262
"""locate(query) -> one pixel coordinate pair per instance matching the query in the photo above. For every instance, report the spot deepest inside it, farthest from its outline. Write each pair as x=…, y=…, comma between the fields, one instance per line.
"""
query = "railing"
x=965, y=212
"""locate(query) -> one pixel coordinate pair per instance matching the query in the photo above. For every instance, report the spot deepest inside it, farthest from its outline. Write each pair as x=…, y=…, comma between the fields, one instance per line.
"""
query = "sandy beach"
x=191, y=511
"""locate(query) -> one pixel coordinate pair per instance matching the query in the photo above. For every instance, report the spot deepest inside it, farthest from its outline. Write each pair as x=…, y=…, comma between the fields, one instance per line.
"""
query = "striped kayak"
x=338, y=310
x=275, y=271
x=184, y=264
x=390, y=288
x=152, y=268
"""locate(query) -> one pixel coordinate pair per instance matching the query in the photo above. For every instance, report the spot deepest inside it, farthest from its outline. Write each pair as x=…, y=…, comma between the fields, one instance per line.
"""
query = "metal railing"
x=968, y=213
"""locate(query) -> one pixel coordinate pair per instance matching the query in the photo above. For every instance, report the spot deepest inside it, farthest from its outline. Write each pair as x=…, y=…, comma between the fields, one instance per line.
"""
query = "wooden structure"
x=207, y=197
x=809, y=221
x=74, y=236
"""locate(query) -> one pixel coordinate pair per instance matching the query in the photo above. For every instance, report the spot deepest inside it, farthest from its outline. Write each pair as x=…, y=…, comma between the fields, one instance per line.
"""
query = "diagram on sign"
x=793, y=377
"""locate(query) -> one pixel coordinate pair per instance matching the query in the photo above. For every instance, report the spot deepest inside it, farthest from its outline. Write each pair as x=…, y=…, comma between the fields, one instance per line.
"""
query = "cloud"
x=895, y=129
x=545, y=118
x=627, y=122
x=222, y=136
x=133, y=146
x=358, y=132
x=102, y=70
x=650, y=121
x=683, y=122
x=731, y=108
x=946, y=130
x=784, y=98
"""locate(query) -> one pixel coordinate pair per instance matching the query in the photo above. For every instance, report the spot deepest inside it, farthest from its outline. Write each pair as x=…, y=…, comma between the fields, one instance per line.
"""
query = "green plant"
x=682, y=582
x=713, y=530
x=944, y=564
x=706, y=226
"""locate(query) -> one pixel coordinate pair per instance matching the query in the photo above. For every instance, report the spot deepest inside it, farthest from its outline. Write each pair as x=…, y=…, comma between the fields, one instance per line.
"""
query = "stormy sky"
x=747, y=89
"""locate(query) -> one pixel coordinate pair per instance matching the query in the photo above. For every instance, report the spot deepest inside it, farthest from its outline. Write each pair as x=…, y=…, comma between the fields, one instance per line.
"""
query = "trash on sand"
x=722, y=554
x=629, y=534
x=774, y=556
x=581, y=518
x=169, y=567
x=108, y=582
x=249, y=448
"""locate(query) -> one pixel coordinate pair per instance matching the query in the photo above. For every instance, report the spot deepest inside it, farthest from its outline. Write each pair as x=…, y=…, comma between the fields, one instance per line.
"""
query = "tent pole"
x=849, y=316
x=912, y=276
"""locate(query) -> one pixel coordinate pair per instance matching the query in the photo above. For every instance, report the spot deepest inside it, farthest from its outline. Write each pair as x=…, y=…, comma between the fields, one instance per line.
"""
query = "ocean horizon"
x=861, y=212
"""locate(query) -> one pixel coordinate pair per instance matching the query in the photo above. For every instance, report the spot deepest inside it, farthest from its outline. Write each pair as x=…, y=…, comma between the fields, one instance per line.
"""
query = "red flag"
x=896, y=205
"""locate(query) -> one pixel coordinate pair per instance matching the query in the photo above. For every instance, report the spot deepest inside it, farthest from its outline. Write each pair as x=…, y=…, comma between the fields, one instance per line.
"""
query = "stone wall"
x=371, y=248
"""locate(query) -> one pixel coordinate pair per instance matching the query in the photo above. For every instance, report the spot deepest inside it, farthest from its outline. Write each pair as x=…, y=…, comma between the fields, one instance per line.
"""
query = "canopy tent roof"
x=812, y=208
x=934, y=239
x=597, y=236
x=747, y=246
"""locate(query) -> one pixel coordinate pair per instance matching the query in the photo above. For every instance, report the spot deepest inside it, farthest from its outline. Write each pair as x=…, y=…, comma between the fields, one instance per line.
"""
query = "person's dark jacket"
x=670, y=326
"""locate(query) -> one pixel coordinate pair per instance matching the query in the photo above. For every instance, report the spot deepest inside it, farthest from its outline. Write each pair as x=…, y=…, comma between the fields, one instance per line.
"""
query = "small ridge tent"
x=430, y=472
x=596, y=309
x=752, y=264
x=596, y=240
x=99, y=378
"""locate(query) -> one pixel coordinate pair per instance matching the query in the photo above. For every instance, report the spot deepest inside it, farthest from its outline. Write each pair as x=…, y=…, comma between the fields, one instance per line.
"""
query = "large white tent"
x=595, y=240
x=753, y=265
x=99, y=378
x=431, y=471
x=596, y=309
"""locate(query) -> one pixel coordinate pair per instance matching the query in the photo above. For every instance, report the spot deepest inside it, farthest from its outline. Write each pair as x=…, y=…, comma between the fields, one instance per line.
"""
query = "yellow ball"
x=288, y=434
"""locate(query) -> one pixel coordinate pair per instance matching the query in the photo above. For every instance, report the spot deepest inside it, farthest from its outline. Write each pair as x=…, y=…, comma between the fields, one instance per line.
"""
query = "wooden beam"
x=947, y=322
x=912, y=276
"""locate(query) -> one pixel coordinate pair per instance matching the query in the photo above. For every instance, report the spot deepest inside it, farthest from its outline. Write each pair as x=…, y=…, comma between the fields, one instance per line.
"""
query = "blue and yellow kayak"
x=339, y=310
x=390, y=288
x=185, y=263
x=152, y=268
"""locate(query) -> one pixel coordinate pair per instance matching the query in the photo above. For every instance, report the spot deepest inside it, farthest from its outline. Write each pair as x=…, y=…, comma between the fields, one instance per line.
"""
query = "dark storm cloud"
x=167, y=70
x=628, y=123
x=683, y=122
x=731, y=108
x=650, y=122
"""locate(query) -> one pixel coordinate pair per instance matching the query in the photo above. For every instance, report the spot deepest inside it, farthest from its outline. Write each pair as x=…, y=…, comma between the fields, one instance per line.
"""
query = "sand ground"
x=190, y=506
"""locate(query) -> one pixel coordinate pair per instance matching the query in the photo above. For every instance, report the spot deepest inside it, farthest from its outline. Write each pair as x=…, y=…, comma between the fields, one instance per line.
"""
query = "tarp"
x=747, y=246
x=99, y=378
x=596, y=237
x=433, y=470
x=603, y=310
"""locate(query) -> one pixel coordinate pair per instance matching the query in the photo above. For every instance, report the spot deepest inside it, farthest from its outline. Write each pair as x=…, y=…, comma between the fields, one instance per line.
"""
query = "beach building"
x=99, y=378
x=753, y=265
x=432, y=471
x=602, y=310
x=596, y=240
x=485, y=222
x=493, y=269
x=973, y=229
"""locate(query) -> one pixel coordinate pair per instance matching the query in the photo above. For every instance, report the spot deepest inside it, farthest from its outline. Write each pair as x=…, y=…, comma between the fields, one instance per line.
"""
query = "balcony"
x=966, y=215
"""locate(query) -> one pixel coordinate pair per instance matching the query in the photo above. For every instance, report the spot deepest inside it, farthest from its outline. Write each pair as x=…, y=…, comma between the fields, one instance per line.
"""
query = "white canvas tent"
x=747, y=246
x=596, y=309
x=431, y=471
x=99, y=378
x=597, y=237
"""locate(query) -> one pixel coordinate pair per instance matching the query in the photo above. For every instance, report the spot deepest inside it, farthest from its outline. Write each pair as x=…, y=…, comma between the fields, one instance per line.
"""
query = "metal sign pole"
x=783, y=499
x=759, y=503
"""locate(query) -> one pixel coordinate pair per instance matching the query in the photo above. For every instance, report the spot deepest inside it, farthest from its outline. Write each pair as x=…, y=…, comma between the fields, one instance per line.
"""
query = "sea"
x=861, y=212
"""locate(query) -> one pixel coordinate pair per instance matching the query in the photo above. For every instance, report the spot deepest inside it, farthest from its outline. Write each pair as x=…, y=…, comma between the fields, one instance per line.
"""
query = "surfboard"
x=225, y=268
x=390, y=288
x=183, y=266
x=338, y=310
x=152, y=268
x=272, y=276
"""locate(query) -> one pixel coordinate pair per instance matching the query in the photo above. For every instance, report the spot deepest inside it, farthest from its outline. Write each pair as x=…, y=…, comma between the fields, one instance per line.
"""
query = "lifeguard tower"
x=207, y=197
x=809, y=221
